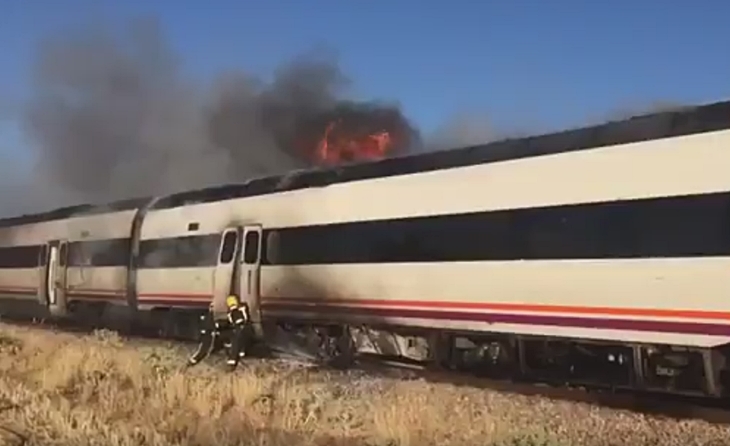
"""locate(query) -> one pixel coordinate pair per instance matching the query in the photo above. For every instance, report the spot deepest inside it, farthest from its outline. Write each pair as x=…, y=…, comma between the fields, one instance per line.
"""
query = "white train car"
x=72, y=255
x=601, y=234
x=603, y=249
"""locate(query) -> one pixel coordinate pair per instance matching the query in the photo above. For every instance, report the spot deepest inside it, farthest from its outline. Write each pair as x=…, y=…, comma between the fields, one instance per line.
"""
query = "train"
x=598, y=256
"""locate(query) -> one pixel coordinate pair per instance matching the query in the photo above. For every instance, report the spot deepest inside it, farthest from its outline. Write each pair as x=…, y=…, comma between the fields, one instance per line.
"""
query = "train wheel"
x=336, y=347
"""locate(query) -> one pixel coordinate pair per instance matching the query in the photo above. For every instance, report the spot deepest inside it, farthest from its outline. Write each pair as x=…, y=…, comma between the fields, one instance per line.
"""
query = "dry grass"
x=64, y=389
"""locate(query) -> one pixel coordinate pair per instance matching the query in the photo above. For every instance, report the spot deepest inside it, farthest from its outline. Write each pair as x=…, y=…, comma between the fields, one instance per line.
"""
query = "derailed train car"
x=597, y=255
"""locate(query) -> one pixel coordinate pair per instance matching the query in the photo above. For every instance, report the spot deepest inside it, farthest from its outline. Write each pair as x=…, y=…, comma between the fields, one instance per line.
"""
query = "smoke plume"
x=627, y=112
x=113, y=117
x=461, y=130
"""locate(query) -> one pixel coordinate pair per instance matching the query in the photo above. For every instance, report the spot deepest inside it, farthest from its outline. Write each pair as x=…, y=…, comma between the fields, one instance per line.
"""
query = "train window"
x=62, y=254
x=43, y=254
x=229, y=247
x=193, y=226
x=272, y=247
x=251, y=251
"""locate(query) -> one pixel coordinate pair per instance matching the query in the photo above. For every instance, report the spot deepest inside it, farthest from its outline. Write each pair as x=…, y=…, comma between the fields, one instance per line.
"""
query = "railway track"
x=671, y=406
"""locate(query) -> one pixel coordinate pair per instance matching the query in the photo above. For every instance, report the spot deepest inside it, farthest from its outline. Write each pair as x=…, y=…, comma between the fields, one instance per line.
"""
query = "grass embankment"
x=65, y=389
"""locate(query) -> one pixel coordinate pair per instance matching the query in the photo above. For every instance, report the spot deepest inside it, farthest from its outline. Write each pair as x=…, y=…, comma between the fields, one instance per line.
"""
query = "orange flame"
x=336, y=147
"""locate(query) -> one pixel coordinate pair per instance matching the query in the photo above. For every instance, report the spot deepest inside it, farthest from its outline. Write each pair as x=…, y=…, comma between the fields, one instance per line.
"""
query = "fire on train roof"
x=673, y=123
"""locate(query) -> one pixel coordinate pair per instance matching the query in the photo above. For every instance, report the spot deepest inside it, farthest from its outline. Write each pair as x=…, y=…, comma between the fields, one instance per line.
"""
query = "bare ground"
x=66, y=389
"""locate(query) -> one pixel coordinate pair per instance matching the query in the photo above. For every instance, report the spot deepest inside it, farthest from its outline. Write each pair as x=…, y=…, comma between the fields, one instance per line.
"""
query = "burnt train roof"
x=685, y=121
x=76, y=211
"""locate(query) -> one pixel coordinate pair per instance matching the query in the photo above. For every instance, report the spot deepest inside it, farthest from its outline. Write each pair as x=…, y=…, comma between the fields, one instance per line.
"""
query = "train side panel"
x=624, y=243
x=95, y=257
x=99, y=255
x=178, y=255
x=181, y=248
x=646, y=300
x=175, y=287
x=19, y=283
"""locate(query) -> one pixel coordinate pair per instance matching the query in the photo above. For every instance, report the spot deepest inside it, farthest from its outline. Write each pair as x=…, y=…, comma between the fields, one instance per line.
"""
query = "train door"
x=43, y=275
x=225, y=271
x=250, y=274
x=55, y=276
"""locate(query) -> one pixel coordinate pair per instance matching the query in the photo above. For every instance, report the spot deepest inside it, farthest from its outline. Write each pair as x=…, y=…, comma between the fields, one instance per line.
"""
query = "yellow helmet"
x=231, y=301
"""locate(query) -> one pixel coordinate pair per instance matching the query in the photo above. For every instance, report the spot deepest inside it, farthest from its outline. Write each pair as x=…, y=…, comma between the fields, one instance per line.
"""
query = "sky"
x=517, y=63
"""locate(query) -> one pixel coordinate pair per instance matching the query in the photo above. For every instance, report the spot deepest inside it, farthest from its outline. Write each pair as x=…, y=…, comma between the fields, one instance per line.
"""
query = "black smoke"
x=115, y=116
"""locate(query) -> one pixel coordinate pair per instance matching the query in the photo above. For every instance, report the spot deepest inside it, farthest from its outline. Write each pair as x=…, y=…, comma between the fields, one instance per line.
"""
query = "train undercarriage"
x=675, y=370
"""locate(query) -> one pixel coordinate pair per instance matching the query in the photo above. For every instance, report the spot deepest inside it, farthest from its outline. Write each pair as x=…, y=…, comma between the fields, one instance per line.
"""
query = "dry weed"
x=65, y=389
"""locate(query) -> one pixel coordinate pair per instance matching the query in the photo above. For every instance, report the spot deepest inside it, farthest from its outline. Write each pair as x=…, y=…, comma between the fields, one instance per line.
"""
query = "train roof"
x=75, y=211
x=672, y=123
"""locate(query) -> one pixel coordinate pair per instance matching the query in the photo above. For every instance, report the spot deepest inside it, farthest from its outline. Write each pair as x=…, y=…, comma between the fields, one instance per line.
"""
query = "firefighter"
x=237, y=323
x=210, y=339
